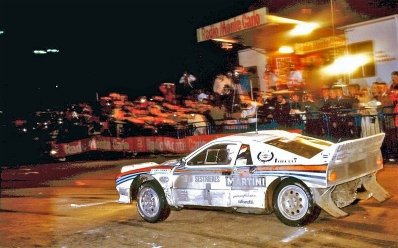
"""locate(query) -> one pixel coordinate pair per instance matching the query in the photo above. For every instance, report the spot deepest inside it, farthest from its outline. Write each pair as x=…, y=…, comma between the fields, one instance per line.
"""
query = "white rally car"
x=259, y=172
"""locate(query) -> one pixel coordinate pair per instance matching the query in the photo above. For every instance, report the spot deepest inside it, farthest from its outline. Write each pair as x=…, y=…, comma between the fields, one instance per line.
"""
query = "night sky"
x=105, y=45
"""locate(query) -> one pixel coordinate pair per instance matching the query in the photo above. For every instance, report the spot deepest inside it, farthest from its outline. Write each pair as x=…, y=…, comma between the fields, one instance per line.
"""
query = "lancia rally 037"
x=290, y=174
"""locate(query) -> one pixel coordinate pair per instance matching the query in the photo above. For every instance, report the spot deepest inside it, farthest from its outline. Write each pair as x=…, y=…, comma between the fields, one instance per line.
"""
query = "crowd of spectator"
x=116, y=115
x=337, y=110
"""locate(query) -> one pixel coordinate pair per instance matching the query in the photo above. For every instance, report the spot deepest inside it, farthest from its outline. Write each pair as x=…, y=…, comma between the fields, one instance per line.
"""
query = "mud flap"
x=372, y=186
x=324, y=200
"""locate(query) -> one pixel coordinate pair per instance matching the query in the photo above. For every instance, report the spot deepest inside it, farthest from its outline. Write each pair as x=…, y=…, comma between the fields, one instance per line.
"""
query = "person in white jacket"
x=187, y=79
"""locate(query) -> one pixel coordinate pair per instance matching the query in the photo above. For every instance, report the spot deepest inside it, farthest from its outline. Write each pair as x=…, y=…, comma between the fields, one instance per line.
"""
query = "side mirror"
x=181, y=163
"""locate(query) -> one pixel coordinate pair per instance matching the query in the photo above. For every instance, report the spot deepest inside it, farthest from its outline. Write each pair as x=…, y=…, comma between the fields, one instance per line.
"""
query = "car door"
x=203, y=179
x=247, y=184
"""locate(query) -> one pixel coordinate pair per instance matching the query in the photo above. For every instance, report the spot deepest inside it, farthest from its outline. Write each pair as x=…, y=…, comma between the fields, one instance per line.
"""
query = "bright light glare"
x=304, y=28
x=1, y=32
x=285, y=49
x=39, y=52
x=226, y=45
x=227, y=40
x=346, y=64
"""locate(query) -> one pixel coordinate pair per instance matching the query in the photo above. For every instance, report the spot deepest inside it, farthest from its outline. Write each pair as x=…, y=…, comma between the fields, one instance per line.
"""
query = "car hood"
x=148, y=166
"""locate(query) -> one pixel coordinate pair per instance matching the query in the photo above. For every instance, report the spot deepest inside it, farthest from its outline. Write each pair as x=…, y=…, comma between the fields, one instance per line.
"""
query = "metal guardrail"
x=333, y=126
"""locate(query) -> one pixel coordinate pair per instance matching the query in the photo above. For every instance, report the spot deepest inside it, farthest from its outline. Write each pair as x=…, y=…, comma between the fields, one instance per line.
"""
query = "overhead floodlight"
x=347, y=64
x=1, y=32
x=285, y=49
x=52, y=50
x=39, y=52
x=304, y=28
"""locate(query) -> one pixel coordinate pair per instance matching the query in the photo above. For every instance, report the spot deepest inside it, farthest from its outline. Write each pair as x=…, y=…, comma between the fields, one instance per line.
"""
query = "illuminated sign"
x=320, y=44
x=248, y=20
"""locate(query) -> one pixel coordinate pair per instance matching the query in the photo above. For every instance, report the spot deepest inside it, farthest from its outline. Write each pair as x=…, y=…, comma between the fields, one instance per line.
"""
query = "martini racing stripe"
x=306, y=168
x=316, y=178
x=314, y=175
x=128, y=177
x=201, y=171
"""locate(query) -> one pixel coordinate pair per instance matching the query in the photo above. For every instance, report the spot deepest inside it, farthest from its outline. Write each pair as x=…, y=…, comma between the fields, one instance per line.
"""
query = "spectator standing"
x=313, y=120
x=323, y=104
x=295, y=78
x=333, y=99
x=295, y=110
x=394, y=98
x=394, y=80
x=353, y=90
x=202, y=95
x=266, y=110
x=169, y=92
x=384, y=98
x=386, y=110
x=342, y=101
x=242, y=77
x=386, y=106
x=269, y=78
x=367, y=107
x=308, y=103
x=295, y=105
x=282, y=109
x=187, y=81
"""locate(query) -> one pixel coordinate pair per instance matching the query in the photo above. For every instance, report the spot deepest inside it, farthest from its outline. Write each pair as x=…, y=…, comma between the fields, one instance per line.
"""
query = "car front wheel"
x=294, y=204
x=151, y=202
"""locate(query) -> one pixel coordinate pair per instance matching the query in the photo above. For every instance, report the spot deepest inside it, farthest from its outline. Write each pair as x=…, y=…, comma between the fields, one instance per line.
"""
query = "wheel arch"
x=135, y=185
x=269, y=195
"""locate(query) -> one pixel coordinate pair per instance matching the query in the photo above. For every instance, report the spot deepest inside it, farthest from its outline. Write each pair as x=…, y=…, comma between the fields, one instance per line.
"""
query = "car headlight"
x=123, y=191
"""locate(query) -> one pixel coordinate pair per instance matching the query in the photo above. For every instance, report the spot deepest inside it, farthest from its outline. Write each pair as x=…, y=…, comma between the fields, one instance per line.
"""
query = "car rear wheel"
x=294, y=204
x=151, y=202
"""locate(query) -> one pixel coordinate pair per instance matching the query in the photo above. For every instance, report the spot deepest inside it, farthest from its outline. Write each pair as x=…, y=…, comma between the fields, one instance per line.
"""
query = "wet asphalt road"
x=75, y=205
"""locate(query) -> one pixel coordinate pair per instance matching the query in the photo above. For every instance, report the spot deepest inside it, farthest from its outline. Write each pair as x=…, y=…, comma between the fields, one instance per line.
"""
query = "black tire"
x=151, y=202
x=294, y=204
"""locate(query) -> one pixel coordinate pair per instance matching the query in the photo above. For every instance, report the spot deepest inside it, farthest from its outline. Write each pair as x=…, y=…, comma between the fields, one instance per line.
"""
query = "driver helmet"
x=243, y=149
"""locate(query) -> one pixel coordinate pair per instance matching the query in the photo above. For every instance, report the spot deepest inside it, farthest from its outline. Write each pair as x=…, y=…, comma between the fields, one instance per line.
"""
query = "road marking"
x=90, y=204
x=154, y=245
x=295, y=234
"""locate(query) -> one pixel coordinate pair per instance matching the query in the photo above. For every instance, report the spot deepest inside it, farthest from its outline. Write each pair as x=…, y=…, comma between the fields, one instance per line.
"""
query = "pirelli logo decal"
x=237, y=181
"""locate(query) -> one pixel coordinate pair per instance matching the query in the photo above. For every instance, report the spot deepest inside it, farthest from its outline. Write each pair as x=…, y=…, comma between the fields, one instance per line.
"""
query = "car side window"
x=219, y=154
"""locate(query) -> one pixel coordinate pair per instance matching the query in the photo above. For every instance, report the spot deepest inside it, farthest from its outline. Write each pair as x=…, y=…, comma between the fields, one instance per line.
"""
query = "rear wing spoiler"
x=353, y=164
x=352, y=159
